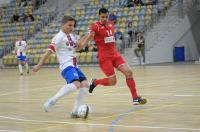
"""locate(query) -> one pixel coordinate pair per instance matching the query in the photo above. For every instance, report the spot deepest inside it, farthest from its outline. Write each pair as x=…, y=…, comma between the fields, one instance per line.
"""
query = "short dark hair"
x=65, y=19
x=103, y=10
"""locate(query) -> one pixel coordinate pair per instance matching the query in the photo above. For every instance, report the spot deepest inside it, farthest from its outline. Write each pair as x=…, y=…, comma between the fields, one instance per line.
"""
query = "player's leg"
x=27, y=67
x=26, y=64
x=80, y=99
x=64, y=90
x=81, y=94
x=107, y=67
x=136, y=52
x=125, y=69
x=122, y=66
x=71, y=76
x=20, y=65
x=143, y=54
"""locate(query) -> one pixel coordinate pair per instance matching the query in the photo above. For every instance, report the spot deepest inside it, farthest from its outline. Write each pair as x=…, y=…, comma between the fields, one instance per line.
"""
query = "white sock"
x=20, y=68
x=27, y=67
x=79, y=99
x=66, y=89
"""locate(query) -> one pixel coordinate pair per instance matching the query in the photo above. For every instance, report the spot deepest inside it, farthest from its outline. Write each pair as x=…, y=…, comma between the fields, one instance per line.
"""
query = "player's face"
x=68, y=27
x=103, y=18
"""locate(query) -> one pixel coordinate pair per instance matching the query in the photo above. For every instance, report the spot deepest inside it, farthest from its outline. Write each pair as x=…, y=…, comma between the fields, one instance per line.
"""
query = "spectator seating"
x=142, y=17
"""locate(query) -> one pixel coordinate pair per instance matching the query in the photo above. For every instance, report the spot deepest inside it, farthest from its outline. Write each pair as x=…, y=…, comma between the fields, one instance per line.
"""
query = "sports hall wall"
x=185, y=34
x=191, y=39
x=195, y=15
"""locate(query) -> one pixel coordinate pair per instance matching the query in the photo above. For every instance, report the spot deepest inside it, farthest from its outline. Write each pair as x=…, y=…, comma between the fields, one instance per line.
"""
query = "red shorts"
x=108, y=64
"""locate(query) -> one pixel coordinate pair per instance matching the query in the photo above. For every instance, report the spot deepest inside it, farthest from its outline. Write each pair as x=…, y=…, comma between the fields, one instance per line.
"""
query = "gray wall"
x=194, y=17
x=191, y=51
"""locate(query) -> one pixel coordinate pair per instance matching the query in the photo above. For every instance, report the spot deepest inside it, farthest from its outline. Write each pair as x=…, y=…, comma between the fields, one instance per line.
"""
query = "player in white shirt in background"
x=20, y=51
x=65, y=45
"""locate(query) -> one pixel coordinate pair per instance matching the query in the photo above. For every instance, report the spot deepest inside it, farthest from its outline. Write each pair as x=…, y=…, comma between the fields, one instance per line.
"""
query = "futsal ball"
x=83, y=111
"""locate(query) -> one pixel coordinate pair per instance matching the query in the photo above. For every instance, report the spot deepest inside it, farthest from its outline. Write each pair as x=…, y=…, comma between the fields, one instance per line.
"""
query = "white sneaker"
x=49, y=103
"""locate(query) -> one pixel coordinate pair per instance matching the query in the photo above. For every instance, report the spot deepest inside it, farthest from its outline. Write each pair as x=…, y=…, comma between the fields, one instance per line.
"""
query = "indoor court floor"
x=173, y=94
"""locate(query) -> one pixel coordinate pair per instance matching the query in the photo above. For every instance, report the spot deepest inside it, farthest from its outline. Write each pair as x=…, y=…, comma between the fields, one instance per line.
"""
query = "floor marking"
x=178, y=95
x=41, y=88
x=138, y=111
x=43, y=128
x=187, y=95
x=112, y=94
x=103, y=125
x=107, y=125
x=50, y=86
x=9, y=131
x=115, y=122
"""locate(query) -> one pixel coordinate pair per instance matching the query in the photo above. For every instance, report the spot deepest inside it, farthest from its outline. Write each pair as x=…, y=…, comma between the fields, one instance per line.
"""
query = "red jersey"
x=104, y=38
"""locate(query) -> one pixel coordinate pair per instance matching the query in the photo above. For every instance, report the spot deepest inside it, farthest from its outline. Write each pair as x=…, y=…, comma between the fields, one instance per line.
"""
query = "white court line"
x=178, y=95
x=47, y=87
x=186, y=95
x=96, y=124
x=37, y=89
x=9, y=131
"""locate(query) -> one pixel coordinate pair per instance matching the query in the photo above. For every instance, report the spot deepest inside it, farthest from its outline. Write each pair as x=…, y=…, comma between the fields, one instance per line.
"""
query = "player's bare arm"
x=42, y=60
x=84, y=41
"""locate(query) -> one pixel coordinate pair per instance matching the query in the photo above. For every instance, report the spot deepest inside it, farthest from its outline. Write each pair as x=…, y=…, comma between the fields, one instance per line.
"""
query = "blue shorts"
x=71, y=74
x=21, y=58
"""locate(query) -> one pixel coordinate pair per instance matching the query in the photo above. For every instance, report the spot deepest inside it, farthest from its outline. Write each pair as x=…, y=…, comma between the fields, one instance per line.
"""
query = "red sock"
x=131, y=84
x=103, y=82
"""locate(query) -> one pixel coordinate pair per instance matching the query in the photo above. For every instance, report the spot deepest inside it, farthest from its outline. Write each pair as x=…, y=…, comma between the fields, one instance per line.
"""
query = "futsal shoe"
x=139, y=101
x=49, y=103
x=92, y=86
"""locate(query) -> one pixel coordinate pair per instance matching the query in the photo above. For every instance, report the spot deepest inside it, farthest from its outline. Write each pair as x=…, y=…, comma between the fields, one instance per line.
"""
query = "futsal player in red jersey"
x=102, y=33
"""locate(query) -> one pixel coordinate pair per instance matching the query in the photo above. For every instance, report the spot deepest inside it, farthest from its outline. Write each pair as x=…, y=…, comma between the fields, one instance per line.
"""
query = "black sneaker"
x=92, y=86
x=21, y=74
x=139, y=101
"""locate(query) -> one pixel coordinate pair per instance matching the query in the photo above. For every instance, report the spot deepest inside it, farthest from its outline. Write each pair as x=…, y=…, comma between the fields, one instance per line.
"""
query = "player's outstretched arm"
x=42, y=60
x=84, y=41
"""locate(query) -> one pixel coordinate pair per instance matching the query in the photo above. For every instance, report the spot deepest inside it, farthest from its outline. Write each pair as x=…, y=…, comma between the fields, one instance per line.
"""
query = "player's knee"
x=84, y=84
x=112, y=81
x=77, y=84
x=129, y=74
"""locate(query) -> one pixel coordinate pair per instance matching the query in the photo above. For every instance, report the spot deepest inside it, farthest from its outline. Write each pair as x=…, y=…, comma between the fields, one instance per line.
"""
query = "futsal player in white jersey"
x=64, y=45
x=20, y=51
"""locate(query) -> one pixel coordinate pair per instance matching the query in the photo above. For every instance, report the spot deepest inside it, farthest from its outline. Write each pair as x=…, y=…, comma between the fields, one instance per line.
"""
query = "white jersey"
x=64, y=47
x=21, y=47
